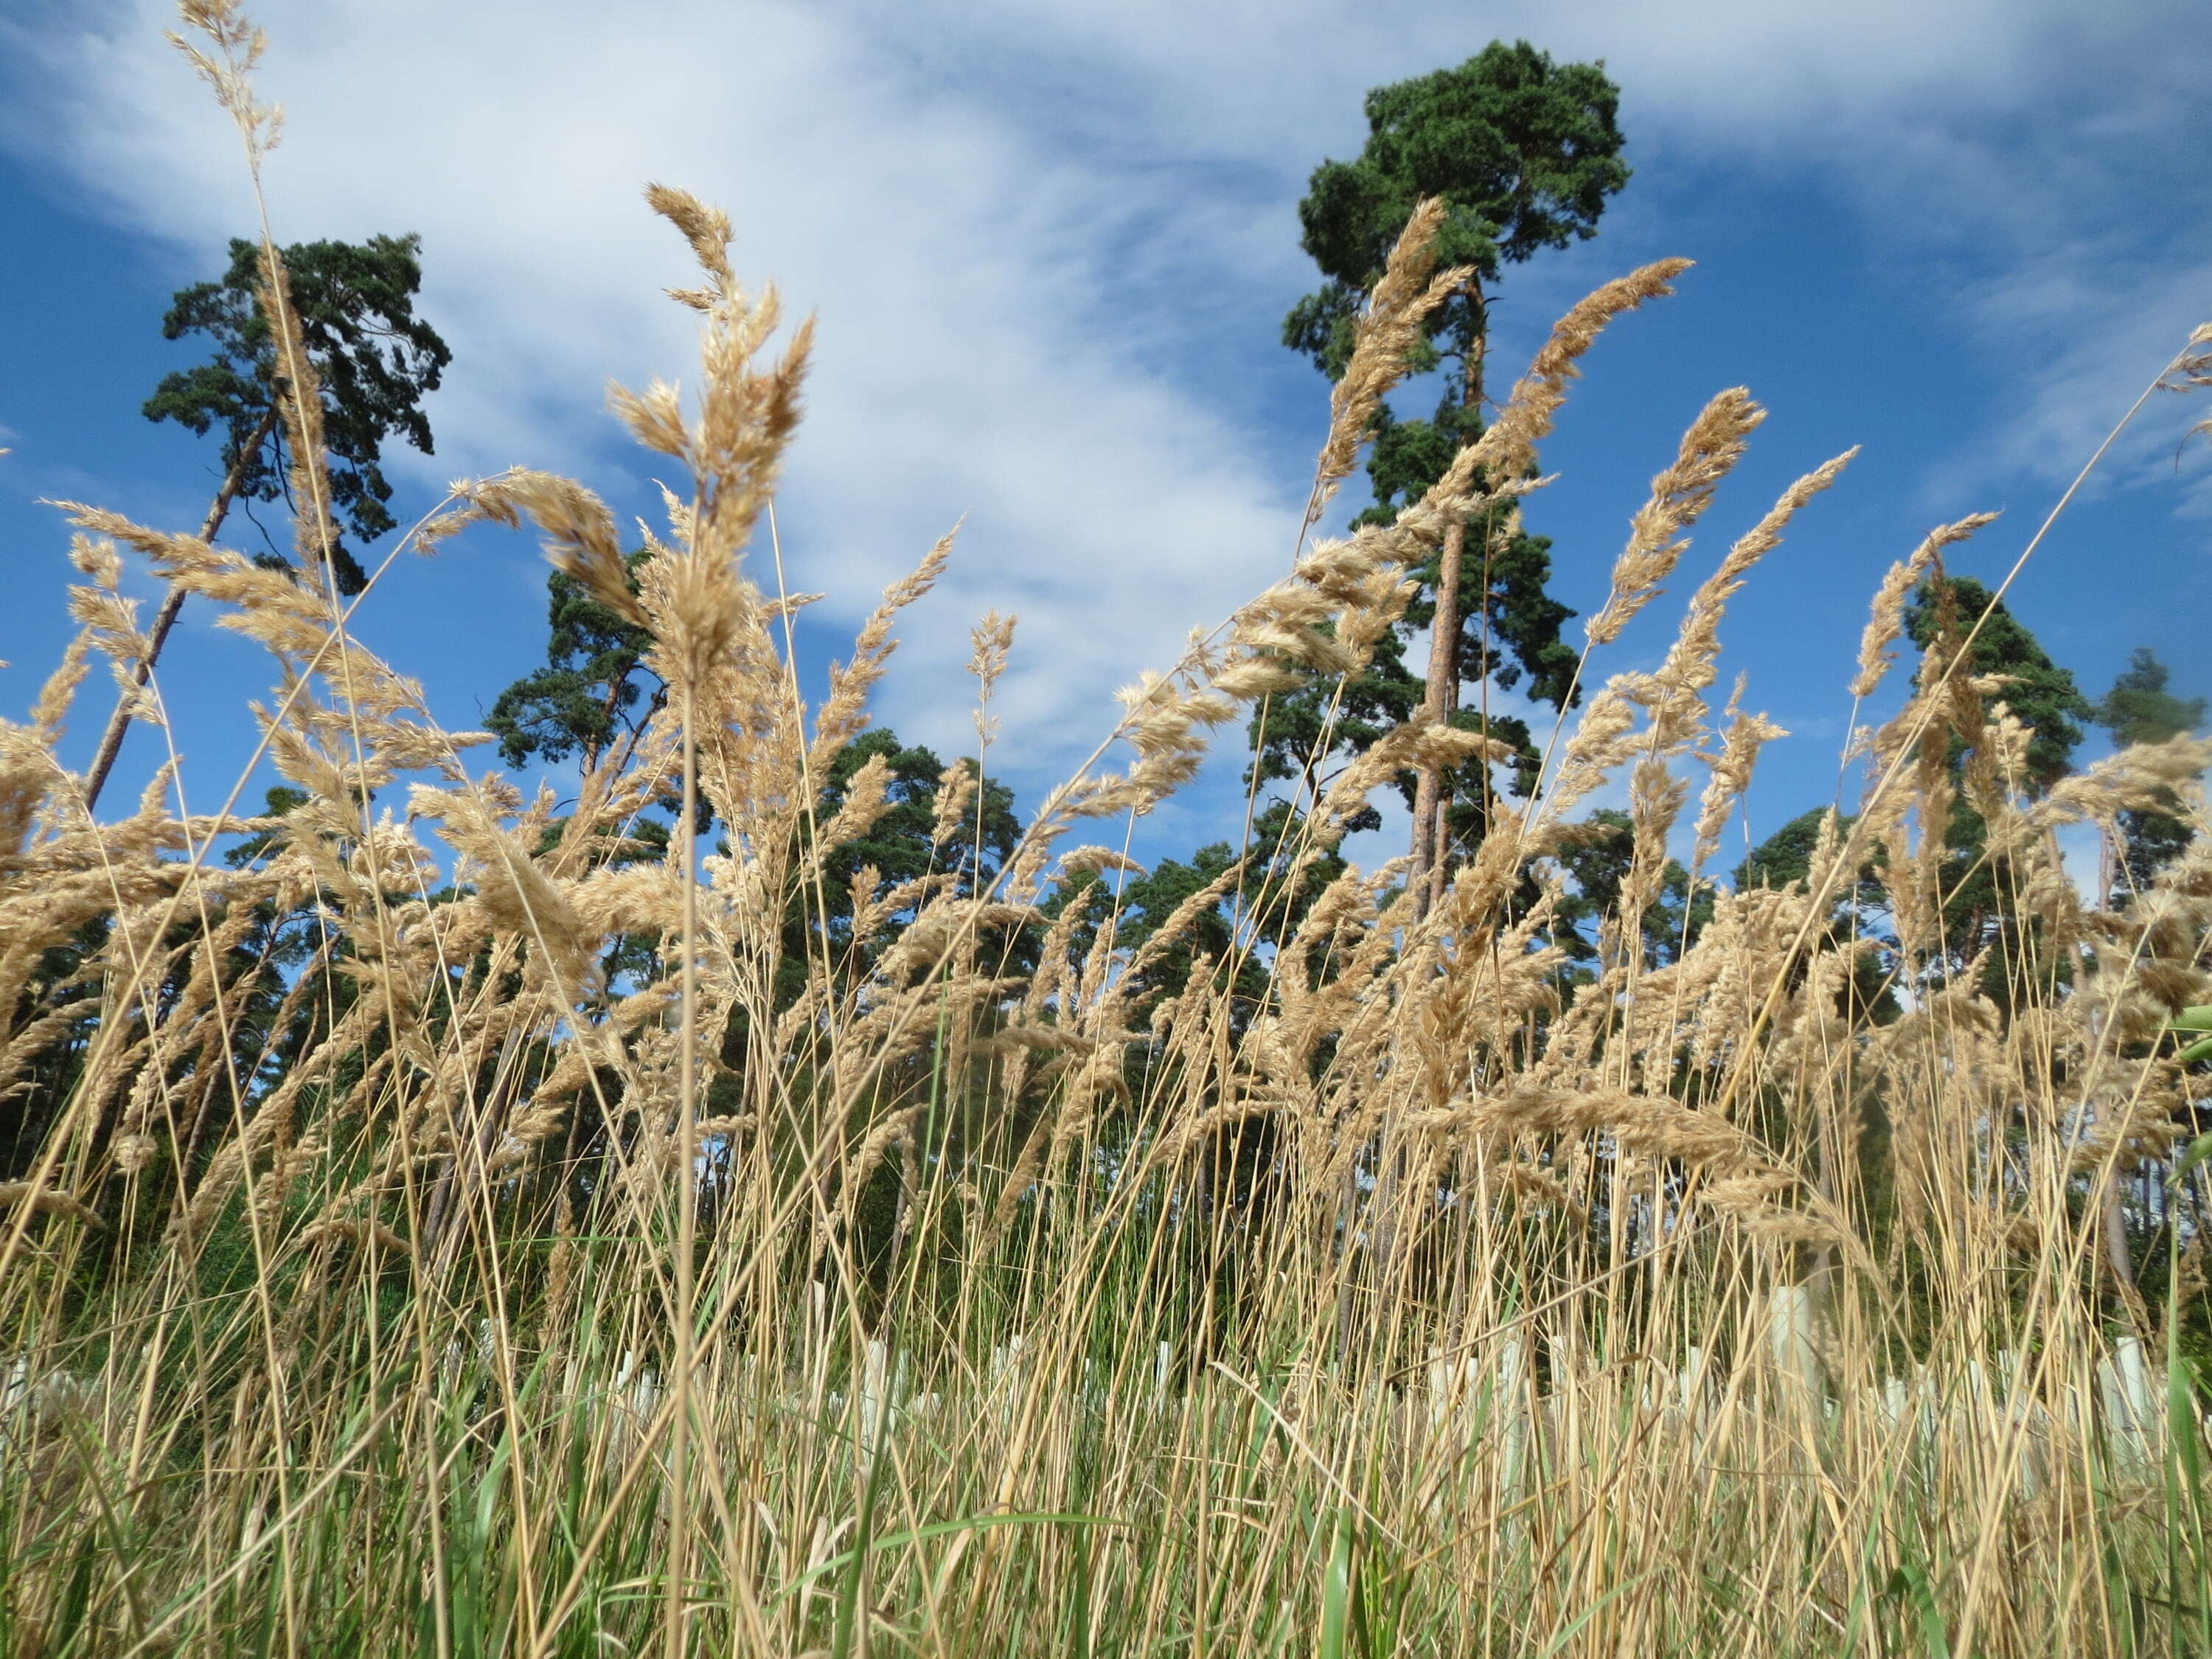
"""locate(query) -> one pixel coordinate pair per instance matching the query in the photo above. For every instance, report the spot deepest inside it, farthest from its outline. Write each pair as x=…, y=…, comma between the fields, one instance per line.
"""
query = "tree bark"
x=111, y=740
x=1438, y=702
x=1425, y=878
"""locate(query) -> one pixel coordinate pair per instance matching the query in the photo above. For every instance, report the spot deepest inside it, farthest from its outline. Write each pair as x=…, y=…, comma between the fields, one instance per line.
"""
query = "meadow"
x=439, y=1220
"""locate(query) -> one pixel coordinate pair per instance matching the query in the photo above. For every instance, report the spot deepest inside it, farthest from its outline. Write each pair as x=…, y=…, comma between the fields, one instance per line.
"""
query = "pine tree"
x=1525, y=152
x=376, y=360
x=354, y=302
x=2140, y=709
x=593, y=690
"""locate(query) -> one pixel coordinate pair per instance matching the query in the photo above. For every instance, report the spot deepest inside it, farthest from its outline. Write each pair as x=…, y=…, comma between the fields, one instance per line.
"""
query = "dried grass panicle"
x=299, y=397
x=843, y=714
x=1176, y=925
x=2156, y=777
x=1744, y=737
x=955, y=791
x=746, y=413
x=1402, y=301
x=867, y=798
x=1886, y=624
x=1655, y=801
x=1603, y=739
x=1096, y=860
x=1689, y=663
x=2191, y=371
x=580, y=539
x=992, y=639
x=1421, y=743
x=1680, y=495
x=1507, y=448
x=109, y=621
x=227, y=70
x=45, y=1201
x=289, y=619
x=707, y=230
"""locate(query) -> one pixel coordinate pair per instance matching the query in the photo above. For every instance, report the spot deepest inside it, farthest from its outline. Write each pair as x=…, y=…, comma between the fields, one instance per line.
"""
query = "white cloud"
x=2086, y=327
x=1028, y=231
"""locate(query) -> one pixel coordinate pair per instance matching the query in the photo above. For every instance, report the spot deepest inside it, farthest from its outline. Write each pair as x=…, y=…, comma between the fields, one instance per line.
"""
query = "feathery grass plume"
x=707, y=621
x=581, y=541
x=2143, y=777
x=867, y=798
x=1387, y=330
x=109, y=622
x=746, y=414
x=1603, y=738
x=1886, y=626
x=514, y=891
x=1286, y=621
x=1655, y=801
x=844, y=715
x=956, y=789
x=2192, y=372
x=1507, y=448
x=1328, y=617
x=298, y=398
x=1689, y=665
x=1165, y=719
x=1745, y=735
x=47, y=1201
x=239, y=45
x=993, y=638
x=1096, y=860
x=289, y=619
x=1422, y=741
x=1711, y=448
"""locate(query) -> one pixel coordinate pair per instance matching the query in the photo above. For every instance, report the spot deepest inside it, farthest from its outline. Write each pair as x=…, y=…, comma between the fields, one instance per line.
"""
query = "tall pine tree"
x=2140, y=709
x=355, y=305
x=1525, y=152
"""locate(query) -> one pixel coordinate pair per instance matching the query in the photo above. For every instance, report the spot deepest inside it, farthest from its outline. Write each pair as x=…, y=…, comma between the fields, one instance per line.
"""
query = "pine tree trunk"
x=1438, y=703
x=1425, y=878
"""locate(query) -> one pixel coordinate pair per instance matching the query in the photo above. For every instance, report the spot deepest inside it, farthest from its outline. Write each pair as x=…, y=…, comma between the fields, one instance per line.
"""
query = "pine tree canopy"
x=375, y=357
x=2041, y=695
x=1525, y=152
x=587, y=691
x=2140, y=709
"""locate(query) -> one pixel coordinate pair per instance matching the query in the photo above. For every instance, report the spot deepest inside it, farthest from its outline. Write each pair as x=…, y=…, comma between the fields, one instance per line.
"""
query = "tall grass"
x=385, y=1273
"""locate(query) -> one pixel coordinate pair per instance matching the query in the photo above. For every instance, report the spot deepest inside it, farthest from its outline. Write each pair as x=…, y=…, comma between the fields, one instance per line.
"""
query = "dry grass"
x=379, y=1274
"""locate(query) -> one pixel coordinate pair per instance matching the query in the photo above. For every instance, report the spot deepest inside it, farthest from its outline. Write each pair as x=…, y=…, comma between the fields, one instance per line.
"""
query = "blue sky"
x=1050, y=247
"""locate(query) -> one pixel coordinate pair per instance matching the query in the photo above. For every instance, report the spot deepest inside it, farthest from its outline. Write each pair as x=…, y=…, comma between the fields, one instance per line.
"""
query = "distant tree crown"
x=588, y=689
x=2039, y=693
x=376, y=359
x=2140, y=709
x=1523, y=151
